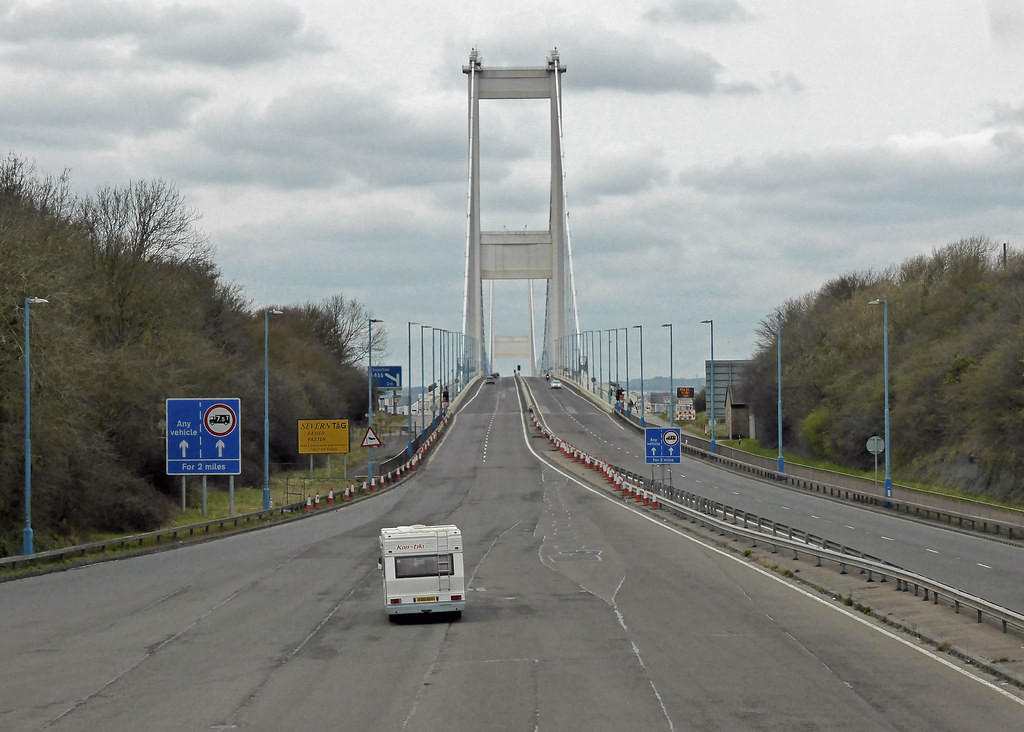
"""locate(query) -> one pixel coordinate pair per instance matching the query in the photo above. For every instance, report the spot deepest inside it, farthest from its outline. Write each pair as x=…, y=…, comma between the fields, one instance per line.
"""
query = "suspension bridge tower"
x=519, y=255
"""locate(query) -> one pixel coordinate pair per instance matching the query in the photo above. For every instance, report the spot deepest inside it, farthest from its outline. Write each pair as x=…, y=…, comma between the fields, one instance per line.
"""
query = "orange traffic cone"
x=309, y=503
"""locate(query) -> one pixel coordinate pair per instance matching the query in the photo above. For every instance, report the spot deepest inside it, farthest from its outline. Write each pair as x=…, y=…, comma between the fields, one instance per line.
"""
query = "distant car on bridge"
x=556, y=384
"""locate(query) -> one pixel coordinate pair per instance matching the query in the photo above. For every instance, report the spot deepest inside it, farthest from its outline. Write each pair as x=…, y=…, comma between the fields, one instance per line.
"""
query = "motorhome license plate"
x=426, y=599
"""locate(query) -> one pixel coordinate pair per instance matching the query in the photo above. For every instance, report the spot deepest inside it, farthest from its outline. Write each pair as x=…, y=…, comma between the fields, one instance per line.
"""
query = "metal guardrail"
x=1000, y=521
x=422, y=442
x=727, y=520
x=122, y=543
x=735, y=521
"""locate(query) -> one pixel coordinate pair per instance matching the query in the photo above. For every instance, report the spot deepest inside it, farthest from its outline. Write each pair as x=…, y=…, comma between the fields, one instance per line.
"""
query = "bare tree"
x=130, y=230
x=342, y=326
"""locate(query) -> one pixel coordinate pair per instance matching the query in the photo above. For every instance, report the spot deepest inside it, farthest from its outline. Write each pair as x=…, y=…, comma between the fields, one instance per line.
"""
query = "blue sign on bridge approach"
x=661, y=445
x=386, y=377
x=204, y=437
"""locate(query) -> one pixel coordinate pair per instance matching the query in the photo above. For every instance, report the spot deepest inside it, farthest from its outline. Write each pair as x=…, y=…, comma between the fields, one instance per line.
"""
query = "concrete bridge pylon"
x=519, y=255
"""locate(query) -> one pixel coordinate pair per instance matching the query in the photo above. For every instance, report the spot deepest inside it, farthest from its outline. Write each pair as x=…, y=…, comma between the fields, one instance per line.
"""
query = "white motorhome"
x=422, y=570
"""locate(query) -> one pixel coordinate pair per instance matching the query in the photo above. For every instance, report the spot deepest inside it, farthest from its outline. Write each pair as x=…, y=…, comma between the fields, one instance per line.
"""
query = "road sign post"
x=661, y=445
x=386, y=377
x=204, y=436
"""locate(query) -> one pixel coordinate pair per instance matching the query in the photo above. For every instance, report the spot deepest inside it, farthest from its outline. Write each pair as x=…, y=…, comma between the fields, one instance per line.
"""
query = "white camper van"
x=422, y=570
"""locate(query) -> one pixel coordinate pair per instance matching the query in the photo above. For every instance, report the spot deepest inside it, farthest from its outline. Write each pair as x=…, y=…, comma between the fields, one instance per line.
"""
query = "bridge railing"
x=738, y=522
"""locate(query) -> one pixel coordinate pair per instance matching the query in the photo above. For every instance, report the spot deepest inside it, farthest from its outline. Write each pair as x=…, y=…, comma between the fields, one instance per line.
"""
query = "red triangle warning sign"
x=371, y=439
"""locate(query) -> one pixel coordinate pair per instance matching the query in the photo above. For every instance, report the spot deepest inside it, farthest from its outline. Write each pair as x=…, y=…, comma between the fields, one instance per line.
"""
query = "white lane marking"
x=772, y=576
x=984, y=566
x=933, y=551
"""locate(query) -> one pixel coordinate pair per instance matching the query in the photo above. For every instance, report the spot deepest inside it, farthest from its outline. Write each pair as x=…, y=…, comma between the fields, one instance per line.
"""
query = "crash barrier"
x=389, y=472
x=137, y=540
x=729, y=520
x=962, y=513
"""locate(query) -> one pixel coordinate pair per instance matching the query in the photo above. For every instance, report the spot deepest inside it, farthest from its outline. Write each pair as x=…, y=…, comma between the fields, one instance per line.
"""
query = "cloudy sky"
x=721, y=156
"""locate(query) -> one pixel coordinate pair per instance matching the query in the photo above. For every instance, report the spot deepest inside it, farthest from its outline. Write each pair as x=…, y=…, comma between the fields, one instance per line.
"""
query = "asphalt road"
x=990, y=569
x=582, y=613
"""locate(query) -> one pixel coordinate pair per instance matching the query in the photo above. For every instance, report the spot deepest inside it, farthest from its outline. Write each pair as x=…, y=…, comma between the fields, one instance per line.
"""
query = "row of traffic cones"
x=629, y=487
x=381, y=481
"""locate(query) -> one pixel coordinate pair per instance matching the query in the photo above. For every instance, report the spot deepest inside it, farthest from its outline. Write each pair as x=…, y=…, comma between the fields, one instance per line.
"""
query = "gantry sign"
x=519, y=255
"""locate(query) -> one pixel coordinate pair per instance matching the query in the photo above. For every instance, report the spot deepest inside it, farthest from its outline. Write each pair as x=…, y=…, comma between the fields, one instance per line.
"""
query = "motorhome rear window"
x=421, y=565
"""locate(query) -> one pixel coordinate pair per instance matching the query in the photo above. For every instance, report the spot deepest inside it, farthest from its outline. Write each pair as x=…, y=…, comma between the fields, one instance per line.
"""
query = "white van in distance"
x=422, y=570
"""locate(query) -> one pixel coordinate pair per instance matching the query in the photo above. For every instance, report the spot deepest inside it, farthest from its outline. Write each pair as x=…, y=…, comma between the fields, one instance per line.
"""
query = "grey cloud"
x=235, y=37
x=602, y=60
x=877, y=185
x=189, y=34
x=82, y=116
x=699, y=11
x=316, y=137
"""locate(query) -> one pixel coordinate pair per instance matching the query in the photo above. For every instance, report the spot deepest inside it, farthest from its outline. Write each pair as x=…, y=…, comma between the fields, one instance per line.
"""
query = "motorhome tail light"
x=396, y=601
x=456, y=597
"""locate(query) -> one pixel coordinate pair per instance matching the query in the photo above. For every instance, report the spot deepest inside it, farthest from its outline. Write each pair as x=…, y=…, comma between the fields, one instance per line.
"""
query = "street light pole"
x=712, y=324
x=671, y=386
x=885, y=356
x=266, y=405
x=629, y=404
x=617, y=406
x=778, y=332
x=28, y=537
x=643, y=403
x=433, y=378
x=369, y=380
x=409, y=386
x=423, y=383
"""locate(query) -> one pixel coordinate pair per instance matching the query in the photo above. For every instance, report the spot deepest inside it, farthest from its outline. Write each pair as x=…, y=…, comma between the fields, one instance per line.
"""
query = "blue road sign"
x=204, y=437
x=661, y=445
x=386, y=377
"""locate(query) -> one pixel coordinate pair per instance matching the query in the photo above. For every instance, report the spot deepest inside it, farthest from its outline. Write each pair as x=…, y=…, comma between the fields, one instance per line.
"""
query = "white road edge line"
x=771, y=575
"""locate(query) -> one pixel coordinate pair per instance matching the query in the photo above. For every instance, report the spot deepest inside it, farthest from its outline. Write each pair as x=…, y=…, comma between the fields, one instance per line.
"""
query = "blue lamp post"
x=409, y=385
x=885, y=356
x=643, y=403
x=629, y=405
x=712, y=324
x=369, y=383
x=609, y=331
x=671, y=386
x=28, y=538
x=778, y=334
x=423, y=383
x=266, y=405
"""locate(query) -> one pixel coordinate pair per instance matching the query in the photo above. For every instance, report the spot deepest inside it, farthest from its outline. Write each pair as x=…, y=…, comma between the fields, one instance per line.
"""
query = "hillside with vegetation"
x=956, y=368
x=138, y=312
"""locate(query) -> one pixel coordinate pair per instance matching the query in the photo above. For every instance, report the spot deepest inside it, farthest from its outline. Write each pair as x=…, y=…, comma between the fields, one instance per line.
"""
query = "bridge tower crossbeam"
x=519, y=255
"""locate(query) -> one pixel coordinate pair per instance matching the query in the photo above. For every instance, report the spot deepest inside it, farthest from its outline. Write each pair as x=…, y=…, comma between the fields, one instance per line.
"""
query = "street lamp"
x=409, y=386
x=778, y=334
x=671, y=387
x=712, y=324
x=617, y=382
x=423, y=383
x=369, y=383
x=629, y=404
x=27, y=538
x=885, y=356
x=266, y=405
x=643, y=404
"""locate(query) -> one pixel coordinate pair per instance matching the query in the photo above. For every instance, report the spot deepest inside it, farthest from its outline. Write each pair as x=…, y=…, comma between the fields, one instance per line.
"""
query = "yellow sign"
x=323, y=436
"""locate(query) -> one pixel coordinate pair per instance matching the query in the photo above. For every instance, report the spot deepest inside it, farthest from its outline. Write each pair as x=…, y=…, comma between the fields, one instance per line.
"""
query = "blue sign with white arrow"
x=386, y=377
x=661, y=445
x=204, y=437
